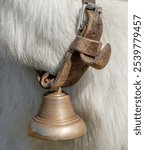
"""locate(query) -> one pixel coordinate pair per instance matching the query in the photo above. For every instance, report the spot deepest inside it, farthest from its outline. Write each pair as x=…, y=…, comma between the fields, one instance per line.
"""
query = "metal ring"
x=82, y=16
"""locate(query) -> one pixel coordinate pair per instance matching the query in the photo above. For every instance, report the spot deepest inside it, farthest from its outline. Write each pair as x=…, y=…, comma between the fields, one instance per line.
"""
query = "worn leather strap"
x=90, y=1
x=74, y=67
x=86, y=46
x=100, y=61
x=84, y=51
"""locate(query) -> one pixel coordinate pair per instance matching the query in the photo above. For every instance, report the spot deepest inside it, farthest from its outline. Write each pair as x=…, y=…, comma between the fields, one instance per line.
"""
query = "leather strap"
x=74, y=67
x=86, y=46
x=84, y=51
x=90, y=1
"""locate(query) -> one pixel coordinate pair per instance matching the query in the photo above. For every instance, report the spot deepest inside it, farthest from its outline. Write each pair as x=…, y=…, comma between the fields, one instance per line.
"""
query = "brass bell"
x=56, y=119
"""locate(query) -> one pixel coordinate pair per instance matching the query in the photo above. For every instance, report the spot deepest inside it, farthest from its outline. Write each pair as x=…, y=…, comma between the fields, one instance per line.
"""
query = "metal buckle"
x=82, y=16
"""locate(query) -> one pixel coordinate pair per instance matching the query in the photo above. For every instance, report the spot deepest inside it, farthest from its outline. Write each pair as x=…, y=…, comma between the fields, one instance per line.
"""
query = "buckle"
x=82, y=16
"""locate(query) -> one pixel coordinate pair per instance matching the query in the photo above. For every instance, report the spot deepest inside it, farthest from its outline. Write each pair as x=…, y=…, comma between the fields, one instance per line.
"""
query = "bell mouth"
x=43, y=129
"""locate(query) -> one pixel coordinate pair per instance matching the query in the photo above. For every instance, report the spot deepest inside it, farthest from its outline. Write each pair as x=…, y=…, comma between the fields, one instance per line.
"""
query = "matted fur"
x=37, y=34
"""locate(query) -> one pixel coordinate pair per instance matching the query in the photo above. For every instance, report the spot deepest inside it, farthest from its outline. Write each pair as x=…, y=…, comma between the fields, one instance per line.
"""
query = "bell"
x=56, y=119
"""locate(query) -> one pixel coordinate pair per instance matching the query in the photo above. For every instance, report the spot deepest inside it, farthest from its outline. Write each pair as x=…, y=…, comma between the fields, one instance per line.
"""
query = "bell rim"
x=76, y=130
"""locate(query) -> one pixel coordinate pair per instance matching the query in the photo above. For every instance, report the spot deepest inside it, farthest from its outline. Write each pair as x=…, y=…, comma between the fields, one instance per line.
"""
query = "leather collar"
x=84, y=51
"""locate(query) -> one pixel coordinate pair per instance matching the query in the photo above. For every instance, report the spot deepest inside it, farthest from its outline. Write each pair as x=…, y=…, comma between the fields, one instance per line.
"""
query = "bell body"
x=56, y=119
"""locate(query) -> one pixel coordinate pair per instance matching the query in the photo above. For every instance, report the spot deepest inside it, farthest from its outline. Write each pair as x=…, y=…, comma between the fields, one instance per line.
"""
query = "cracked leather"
x=84, y=51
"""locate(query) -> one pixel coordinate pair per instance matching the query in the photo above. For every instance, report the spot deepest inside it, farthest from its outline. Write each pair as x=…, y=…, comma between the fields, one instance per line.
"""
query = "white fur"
x=37, y=34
